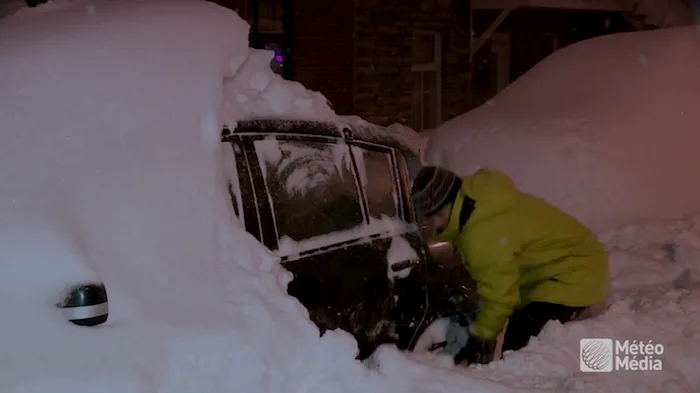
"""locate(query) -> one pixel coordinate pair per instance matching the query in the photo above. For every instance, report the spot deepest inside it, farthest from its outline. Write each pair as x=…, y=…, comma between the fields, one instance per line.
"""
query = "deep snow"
x=112, y=170
x=606, y=128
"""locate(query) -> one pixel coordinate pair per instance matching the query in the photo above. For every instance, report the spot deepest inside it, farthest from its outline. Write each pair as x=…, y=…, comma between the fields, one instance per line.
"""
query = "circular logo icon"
x=596, y=355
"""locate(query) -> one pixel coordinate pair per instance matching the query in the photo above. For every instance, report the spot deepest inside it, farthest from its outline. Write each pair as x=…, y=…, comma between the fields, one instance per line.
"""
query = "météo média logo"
x=599, y=355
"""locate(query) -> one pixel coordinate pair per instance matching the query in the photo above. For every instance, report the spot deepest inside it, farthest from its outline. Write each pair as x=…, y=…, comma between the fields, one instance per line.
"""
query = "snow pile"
x=112, y=171
x=10, y=7
x=417, y=141
x=257, y=92
x=606, y=128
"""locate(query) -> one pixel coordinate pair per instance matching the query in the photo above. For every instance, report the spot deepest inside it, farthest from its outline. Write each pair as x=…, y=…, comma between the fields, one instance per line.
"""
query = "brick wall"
x=384, y=55
x=527, y=27
x=322, y=49
x=455, y=71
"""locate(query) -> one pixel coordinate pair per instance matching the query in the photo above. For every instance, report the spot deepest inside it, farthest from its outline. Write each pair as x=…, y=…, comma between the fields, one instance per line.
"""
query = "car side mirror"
x=86, y=304
x=426, y=233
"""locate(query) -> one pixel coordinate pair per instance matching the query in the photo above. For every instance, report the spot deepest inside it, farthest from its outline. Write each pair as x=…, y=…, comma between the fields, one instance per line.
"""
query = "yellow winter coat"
x=520, y=249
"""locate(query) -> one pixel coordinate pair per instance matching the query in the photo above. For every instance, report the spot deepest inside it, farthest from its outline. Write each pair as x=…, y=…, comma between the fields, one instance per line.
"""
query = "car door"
x=332, y=238
x=317, y=213
x=384, y=183
x=422, y=289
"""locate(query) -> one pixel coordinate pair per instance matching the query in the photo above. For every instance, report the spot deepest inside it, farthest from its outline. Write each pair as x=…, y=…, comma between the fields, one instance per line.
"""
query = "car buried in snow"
x=333, y=202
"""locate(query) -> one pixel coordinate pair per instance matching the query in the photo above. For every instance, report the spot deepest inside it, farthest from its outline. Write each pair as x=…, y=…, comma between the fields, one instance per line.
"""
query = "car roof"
x=367, y=132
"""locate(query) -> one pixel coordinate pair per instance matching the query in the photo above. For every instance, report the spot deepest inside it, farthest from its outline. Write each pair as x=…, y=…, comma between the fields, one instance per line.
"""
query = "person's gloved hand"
x=476, y=351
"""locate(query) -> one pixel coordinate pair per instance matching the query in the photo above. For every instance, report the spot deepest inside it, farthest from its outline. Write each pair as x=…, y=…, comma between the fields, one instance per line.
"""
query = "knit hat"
x=434, y=188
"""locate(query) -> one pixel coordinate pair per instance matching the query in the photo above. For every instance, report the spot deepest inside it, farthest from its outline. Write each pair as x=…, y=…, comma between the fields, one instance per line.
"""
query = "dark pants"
x=529, y=321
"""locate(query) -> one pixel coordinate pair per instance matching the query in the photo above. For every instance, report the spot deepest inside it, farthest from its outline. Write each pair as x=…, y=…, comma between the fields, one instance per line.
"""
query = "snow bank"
x=112, y=171
x=256, y=92
x=606, y=128
x=417, y=141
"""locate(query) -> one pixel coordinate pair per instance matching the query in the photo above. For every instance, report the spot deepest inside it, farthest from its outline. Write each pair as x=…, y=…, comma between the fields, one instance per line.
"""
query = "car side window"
x=405, y=185
x=240, y=186
x=234, y=186
x=378, y=179
x=312, y=187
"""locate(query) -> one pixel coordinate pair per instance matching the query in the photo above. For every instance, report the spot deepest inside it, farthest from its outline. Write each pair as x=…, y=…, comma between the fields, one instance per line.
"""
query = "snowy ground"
x=649, y=303
x=112, y=171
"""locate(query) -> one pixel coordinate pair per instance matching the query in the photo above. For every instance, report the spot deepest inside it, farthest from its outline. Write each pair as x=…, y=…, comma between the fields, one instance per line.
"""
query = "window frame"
x=270, y=236
x=420, y=69
x=408, y=213
x=246, y=192
x=246, y=10
x=394, y=174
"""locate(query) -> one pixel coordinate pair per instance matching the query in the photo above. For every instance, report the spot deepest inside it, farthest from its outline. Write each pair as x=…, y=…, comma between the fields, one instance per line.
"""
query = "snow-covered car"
x=332, y=202
x=114, y=174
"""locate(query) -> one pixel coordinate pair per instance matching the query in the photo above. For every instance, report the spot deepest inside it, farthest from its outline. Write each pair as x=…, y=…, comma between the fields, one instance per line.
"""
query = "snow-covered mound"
x=9, y=7
x=416, y=140
x=256, y=92
x=111, y=170
x=606, y=128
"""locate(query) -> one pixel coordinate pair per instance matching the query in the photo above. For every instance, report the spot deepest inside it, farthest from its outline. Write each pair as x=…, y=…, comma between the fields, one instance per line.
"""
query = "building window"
x=550, y=43
x=427, y=80
x=267, y=28
x=271, y=16
x=269, y=32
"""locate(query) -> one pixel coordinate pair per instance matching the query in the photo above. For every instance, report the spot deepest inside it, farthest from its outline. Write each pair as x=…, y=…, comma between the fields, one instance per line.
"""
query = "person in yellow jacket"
x=531, y=262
